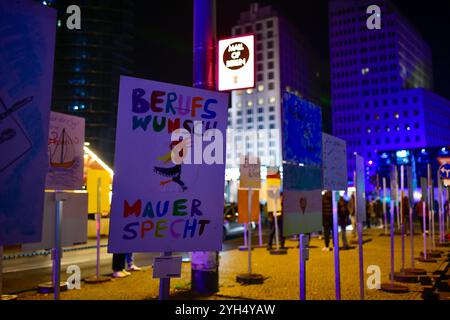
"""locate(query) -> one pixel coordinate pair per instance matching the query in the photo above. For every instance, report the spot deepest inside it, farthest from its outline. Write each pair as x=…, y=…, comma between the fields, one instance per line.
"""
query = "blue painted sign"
x=302, y=131
x=302, y=166
x=27, y=46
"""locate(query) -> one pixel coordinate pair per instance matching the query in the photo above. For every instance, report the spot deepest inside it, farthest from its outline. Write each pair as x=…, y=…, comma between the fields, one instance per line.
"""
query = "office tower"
x=381, y=82
x=88, y=64
x=284, y=62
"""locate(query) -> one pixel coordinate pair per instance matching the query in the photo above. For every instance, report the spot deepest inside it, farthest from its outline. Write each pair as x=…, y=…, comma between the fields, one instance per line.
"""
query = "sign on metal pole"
x=26, y=55
x=236, y=63
x=169, y=168
x=334, y=156
x=302, y=170
x=302, y=174
x=250, y=172
x=65, y=152
x=360, y=190
x=243, y=205
x=334, y=172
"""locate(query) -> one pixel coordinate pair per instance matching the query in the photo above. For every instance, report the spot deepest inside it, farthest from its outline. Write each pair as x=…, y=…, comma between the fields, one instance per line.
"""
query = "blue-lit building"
x=381, y=84
x=88, y=63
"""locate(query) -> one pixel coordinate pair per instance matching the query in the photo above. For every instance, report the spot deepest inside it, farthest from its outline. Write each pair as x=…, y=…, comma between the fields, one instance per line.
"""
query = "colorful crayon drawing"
x=302, y=131
x=173, y=172
x=12, y=134
x=65, y=152
x=27, y=33
x=302, y=166
x=164, y=195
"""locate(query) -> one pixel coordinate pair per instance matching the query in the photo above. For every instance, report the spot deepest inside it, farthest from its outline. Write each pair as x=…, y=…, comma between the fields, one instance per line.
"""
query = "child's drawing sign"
x=169, y=168
x=27, y=47
x=250, y=172
x=65, y=152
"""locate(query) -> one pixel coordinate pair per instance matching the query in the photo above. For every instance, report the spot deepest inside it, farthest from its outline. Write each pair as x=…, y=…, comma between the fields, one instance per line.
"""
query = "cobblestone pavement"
x=281, y=273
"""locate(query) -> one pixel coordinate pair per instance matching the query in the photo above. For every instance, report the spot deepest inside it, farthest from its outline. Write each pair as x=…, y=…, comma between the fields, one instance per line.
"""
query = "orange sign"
x=243, y=205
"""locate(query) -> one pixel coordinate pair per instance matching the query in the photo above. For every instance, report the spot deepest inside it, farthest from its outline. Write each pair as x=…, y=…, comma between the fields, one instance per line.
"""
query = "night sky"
x=164, y=33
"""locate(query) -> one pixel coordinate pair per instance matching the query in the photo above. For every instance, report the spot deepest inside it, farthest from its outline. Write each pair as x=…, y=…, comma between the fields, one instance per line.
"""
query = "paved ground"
x=26, y=273
x=281, y=272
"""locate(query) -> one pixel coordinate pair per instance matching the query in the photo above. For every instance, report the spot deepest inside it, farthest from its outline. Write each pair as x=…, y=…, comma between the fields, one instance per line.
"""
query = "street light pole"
x=204, y=265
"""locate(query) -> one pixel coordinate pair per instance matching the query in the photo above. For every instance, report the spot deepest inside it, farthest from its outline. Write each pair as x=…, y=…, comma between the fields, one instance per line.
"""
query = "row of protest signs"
x=154, y=198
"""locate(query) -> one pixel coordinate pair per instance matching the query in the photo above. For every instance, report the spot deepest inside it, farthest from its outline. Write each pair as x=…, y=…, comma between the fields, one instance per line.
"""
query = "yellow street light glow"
x=100, y=161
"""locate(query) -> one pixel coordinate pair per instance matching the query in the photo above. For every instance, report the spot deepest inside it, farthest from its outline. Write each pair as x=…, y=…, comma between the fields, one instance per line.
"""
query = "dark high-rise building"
x=88, y=64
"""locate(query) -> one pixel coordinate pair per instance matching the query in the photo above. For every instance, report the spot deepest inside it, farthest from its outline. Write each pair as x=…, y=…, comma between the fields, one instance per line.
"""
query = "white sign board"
x=334, y=163
x=360, y=189
x=167, y=267
x=236, y=63
x=74, y=221
x=65, y=152
x=169, y=168
x=250, y=172
x=274, y=200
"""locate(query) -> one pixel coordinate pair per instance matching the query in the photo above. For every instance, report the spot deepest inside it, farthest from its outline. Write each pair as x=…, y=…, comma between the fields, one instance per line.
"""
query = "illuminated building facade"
x=284, y=62
x=418, y=159
x=381, y=82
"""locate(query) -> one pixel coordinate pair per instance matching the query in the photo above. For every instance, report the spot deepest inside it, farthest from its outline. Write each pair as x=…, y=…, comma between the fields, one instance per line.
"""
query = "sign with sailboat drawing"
x=169, y=168
x=65, y=152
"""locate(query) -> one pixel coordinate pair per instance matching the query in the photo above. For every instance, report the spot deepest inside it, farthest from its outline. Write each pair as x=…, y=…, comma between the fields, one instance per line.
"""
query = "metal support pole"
x=359, y=228
x=402, y=218
x=57, y=249
x=260, y=230
x=249, y=247
x=275, y=218
x=411, y=236
x=403, y=247
x=385, y=206
x=164, y=283
x=337, y=272
x=424, y=218
x=1, y=271
x=440, y=209
x=392, y=244
x=361, y=260
x=98, y=219
x=303, y=247
x=430, y=203
x=448, y=209
x=245, y=234
x=205, y=281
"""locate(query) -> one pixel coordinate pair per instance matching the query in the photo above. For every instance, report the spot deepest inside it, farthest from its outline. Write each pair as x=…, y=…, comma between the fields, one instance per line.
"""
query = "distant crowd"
x=346, y=211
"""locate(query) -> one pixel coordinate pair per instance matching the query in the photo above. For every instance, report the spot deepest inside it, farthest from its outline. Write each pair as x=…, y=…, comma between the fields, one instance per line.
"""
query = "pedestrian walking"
x=343, y=216
x=419, y=213
x=405, y=213
x=118, y=265
x=368, y=213
x=378, y=210
x=352, y=214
